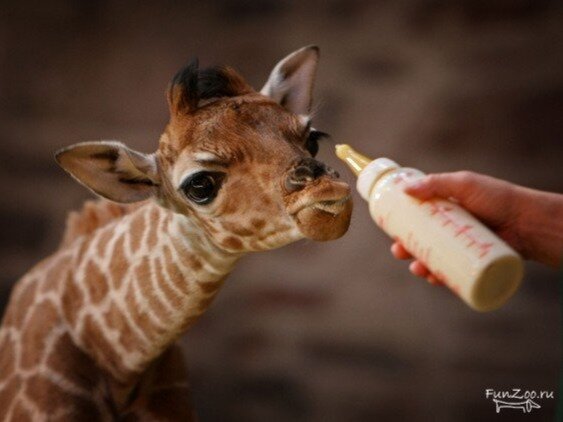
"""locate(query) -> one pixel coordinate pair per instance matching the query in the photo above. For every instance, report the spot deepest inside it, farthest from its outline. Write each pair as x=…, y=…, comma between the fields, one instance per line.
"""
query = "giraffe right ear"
x=291, y=82
x=111, y=170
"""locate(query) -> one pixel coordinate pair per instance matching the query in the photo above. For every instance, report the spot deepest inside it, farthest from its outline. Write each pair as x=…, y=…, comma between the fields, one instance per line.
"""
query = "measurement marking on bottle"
x=448, y=219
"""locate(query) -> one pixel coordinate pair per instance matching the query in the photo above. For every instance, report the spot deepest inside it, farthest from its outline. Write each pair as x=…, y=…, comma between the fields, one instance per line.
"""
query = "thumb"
x=442, y=185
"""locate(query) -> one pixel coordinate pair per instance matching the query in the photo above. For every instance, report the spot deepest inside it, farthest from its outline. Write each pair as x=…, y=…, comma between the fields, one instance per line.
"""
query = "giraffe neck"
x=138, y=284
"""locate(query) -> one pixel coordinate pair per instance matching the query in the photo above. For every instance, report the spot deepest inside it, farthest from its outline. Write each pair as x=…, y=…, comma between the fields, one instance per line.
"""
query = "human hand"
x=498, y=204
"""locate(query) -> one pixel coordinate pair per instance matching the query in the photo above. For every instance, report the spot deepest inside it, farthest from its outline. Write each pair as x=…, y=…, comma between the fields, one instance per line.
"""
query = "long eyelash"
x=317, y=135
x=312, y=141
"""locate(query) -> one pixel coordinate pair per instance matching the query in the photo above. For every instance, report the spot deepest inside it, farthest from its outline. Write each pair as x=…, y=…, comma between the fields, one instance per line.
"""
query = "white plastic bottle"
x=459, y=250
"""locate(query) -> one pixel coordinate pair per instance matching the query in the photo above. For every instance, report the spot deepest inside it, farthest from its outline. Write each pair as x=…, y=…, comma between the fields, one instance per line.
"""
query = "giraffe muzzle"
x=322, y=210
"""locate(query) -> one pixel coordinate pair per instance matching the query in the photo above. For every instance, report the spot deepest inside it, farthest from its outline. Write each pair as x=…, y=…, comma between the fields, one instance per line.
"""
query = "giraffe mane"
x=93, y=215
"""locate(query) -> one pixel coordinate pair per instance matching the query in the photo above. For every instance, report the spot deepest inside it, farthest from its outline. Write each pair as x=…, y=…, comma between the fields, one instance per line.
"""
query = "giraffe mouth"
x=331, y=206
x=331, y=198
x=323, y=210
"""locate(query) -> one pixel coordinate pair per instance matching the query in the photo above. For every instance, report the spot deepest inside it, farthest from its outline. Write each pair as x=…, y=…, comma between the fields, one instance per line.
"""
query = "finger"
x=418, y=269
x=442, y=185
x=421, y=188
x=399, y=251
x=432, y=279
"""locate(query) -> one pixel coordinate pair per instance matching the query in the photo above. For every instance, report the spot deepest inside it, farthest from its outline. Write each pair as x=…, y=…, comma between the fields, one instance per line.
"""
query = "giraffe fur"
x=90, y=332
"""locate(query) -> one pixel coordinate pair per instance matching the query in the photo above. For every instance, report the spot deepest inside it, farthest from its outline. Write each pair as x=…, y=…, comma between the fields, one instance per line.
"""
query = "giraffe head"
x=238, y=163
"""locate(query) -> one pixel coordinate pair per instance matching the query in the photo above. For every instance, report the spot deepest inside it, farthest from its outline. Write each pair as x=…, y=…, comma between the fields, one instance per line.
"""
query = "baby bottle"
x=459, y=250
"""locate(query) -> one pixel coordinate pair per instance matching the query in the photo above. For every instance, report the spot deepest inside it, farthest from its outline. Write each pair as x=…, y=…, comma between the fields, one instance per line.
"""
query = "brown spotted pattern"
x=85, y=326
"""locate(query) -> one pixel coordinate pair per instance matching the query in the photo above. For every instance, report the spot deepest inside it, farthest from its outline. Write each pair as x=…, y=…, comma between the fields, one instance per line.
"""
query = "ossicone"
x=193, y=87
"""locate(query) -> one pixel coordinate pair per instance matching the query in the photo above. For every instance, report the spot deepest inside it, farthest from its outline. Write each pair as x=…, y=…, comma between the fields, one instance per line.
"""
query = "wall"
x=312, y=332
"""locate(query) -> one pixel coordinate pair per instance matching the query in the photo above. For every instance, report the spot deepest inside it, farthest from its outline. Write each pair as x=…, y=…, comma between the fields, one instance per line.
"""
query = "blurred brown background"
x=312, y=332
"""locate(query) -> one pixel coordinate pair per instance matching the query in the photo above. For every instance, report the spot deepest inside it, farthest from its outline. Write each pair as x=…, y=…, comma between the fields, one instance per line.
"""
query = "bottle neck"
x=371, y=173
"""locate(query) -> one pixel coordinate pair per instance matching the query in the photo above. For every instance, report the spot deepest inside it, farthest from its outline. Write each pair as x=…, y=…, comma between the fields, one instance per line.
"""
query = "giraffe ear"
x=111, y=170
x=291, y=81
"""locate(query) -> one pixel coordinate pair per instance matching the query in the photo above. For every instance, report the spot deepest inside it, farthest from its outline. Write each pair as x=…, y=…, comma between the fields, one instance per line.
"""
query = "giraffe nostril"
x=306, y=171
x=298, y=178
x=331, y=172
x=303, y=174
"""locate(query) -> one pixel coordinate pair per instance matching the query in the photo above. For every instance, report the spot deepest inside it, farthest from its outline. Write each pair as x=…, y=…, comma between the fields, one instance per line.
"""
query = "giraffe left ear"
x=111, y=170
x=291, y=81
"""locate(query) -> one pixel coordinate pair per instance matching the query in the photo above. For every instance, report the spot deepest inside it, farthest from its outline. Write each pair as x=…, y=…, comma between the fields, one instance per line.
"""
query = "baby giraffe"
x=91, y=332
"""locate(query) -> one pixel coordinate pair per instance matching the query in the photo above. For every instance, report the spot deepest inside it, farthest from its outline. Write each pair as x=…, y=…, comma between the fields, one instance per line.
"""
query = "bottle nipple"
x=356, y=161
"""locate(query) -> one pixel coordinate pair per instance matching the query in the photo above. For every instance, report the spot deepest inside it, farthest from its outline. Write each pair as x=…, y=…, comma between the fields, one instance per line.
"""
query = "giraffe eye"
x=202, y=187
